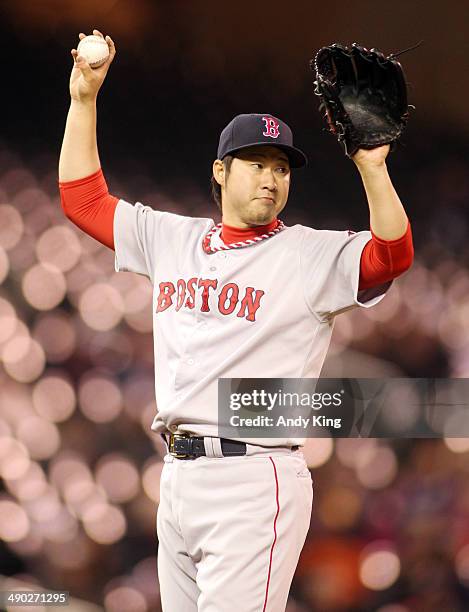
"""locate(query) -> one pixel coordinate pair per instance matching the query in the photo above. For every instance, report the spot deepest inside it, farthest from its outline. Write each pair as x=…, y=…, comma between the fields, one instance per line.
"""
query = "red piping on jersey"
x=275, y=537
x=88, y=204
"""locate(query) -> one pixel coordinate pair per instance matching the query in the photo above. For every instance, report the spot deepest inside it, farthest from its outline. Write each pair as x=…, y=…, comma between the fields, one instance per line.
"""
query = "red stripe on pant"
x=275, y=536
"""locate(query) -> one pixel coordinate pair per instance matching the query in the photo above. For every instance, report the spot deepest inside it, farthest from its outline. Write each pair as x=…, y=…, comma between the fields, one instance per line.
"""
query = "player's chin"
x=262, y=212
x=261, y=218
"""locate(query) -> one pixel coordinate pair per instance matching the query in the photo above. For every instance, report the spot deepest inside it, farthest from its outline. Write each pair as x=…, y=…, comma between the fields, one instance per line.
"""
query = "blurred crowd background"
x=79, y=465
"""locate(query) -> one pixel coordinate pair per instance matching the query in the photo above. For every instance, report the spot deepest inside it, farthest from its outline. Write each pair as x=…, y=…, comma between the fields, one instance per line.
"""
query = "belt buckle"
x=172, y=451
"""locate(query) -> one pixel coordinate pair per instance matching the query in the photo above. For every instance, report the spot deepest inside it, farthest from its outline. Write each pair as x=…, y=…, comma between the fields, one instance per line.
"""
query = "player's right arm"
x=79, y=155
x=84, y=195
x=137, y=233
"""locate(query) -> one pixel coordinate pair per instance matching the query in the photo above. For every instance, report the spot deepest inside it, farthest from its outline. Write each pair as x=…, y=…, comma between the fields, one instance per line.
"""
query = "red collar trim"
x=230, y=234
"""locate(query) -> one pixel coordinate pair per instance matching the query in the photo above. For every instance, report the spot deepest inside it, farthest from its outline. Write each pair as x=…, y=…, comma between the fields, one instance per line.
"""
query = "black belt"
x=184, y=446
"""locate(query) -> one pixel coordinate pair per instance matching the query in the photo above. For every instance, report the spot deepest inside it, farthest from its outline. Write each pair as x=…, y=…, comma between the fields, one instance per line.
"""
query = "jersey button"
x=213, y=268
x=190, y=361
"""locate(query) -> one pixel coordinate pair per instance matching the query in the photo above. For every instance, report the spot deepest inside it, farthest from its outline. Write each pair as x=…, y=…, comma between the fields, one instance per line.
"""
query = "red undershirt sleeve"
x=89, y=205
x=384, y=260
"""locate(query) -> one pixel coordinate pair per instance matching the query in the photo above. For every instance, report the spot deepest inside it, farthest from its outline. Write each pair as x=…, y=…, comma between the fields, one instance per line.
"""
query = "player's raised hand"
x=85, y=81
x=371, y=158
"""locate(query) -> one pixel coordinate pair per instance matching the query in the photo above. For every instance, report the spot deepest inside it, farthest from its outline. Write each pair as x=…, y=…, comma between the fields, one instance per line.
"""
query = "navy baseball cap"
x=259, y=129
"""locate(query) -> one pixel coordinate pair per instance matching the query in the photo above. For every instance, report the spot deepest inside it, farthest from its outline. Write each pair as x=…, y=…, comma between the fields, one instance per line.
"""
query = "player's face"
x=256, y=189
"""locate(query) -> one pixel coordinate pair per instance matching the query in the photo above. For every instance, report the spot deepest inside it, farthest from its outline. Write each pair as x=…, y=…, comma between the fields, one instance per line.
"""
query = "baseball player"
x=248, y=297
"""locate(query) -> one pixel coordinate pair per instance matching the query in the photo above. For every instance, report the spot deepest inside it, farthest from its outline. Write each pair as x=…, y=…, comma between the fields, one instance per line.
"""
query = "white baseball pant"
x=231, y=529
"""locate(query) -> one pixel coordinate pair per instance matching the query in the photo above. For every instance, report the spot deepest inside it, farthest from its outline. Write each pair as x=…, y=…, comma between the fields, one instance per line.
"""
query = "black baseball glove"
x=364, y=95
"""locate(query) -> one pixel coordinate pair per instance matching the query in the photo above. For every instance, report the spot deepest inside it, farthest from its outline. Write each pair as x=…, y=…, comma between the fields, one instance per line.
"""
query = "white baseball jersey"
x=261, y=311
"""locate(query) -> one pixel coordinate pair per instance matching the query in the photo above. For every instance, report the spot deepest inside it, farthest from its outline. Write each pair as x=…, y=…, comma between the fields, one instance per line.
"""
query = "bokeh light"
x=44, y=286
x=350, y=450
x=101, y=306
x=151, y=476
x=118, y=476
x=145, y=579
x=457, y=445
x=138, y=393
x=137, y=296
x=16, y=400
x=105, y=524
x=23, y=358
x=376, y=469
x=4, y=265
x=68, y=467
x=54, y=398
x=11, y=226
x=379, y=567
x=41, y=437
x=81, y=494
x=31, y=484
x=14, y=458
x=317, y=451
x=125, y=598
x=61, y=527
x=46, y=507
x=14, y=522
x=100, y=398
x=8, y=320
x=59, y=247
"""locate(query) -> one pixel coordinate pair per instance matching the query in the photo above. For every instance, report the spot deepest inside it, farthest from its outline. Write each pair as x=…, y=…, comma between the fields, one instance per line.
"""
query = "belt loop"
x=209, y=452
x=212, y=447
x=216, y=442
x=250, y=449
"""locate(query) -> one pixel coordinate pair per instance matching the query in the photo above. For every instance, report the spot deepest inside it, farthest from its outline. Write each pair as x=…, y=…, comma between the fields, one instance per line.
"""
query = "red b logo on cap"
x=271, y=127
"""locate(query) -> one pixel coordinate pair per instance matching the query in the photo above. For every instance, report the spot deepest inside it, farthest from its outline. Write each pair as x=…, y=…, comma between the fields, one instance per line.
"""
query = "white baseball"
x=94, y=49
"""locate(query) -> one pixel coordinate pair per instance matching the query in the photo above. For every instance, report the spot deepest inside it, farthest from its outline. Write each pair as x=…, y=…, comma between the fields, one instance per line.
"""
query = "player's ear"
x=218, y=170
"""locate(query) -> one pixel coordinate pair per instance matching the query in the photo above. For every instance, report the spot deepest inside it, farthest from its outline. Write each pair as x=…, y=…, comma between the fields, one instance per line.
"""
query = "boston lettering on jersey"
x=195, y=293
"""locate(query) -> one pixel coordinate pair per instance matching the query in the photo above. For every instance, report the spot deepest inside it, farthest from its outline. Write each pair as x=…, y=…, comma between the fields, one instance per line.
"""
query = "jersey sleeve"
x=135, y=237
x=146, y=239
x=330, y=268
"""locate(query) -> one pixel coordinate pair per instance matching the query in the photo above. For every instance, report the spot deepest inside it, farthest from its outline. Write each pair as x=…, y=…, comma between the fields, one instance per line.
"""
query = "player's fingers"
x=97, y=33
x=79, y=65
x=112, y=47
x=84, y=67
x=81, y=35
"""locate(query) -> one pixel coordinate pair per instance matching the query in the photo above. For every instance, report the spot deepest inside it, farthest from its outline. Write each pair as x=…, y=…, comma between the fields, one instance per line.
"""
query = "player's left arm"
x=390, y=252
x=388, y=219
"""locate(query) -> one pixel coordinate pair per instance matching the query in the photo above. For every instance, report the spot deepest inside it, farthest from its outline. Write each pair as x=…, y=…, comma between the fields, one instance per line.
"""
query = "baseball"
x=94, y=49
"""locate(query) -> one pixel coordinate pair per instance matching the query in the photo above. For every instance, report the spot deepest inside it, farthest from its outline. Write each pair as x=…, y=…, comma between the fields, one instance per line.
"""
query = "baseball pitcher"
x=248, y=297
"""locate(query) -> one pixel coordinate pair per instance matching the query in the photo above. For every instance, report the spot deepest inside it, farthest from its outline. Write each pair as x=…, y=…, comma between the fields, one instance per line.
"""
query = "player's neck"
x=230, y=234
